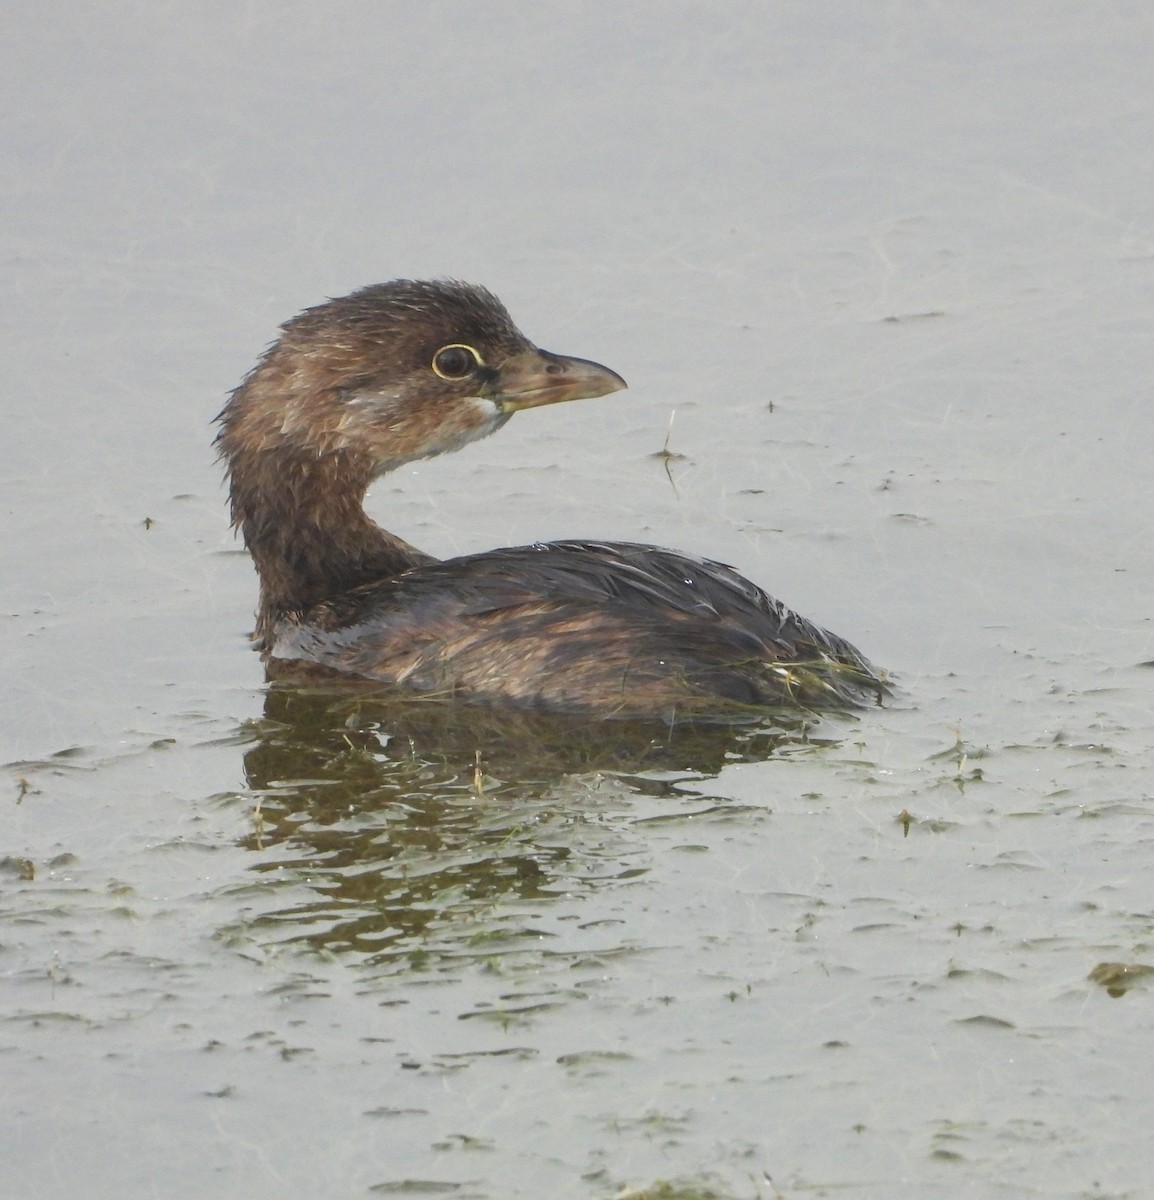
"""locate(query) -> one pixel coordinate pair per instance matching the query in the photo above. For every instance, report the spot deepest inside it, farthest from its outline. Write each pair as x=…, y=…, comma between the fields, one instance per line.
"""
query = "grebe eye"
x=456, y=361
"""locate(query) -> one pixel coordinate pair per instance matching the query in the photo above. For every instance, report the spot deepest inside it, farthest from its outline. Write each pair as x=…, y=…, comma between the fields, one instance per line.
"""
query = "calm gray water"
x=889, y=269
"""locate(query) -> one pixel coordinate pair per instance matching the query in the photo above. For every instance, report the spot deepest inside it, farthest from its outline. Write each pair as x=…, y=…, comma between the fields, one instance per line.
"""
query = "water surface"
x=889, y=272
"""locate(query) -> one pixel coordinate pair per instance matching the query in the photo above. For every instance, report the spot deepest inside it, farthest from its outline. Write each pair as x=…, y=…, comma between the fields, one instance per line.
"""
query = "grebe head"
x=395, y=372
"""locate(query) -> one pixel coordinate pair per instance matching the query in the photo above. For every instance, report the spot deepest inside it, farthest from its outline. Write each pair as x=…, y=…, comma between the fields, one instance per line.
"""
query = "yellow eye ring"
x=456, y=361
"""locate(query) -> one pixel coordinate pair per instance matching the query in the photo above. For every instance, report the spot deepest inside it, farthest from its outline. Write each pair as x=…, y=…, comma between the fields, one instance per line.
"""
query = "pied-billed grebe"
x=407, y=370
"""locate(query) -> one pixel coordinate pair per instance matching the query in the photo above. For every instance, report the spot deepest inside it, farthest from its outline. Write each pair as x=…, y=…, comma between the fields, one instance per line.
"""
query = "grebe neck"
x=303, y=521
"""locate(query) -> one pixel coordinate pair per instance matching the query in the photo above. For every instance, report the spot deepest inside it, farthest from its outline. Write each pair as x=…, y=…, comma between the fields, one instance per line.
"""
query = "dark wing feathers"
x=577, y=623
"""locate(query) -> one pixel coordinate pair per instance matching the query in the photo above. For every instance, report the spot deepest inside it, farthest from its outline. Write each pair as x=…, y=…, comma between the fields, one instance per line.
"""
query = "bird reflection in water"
x=423, y=827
